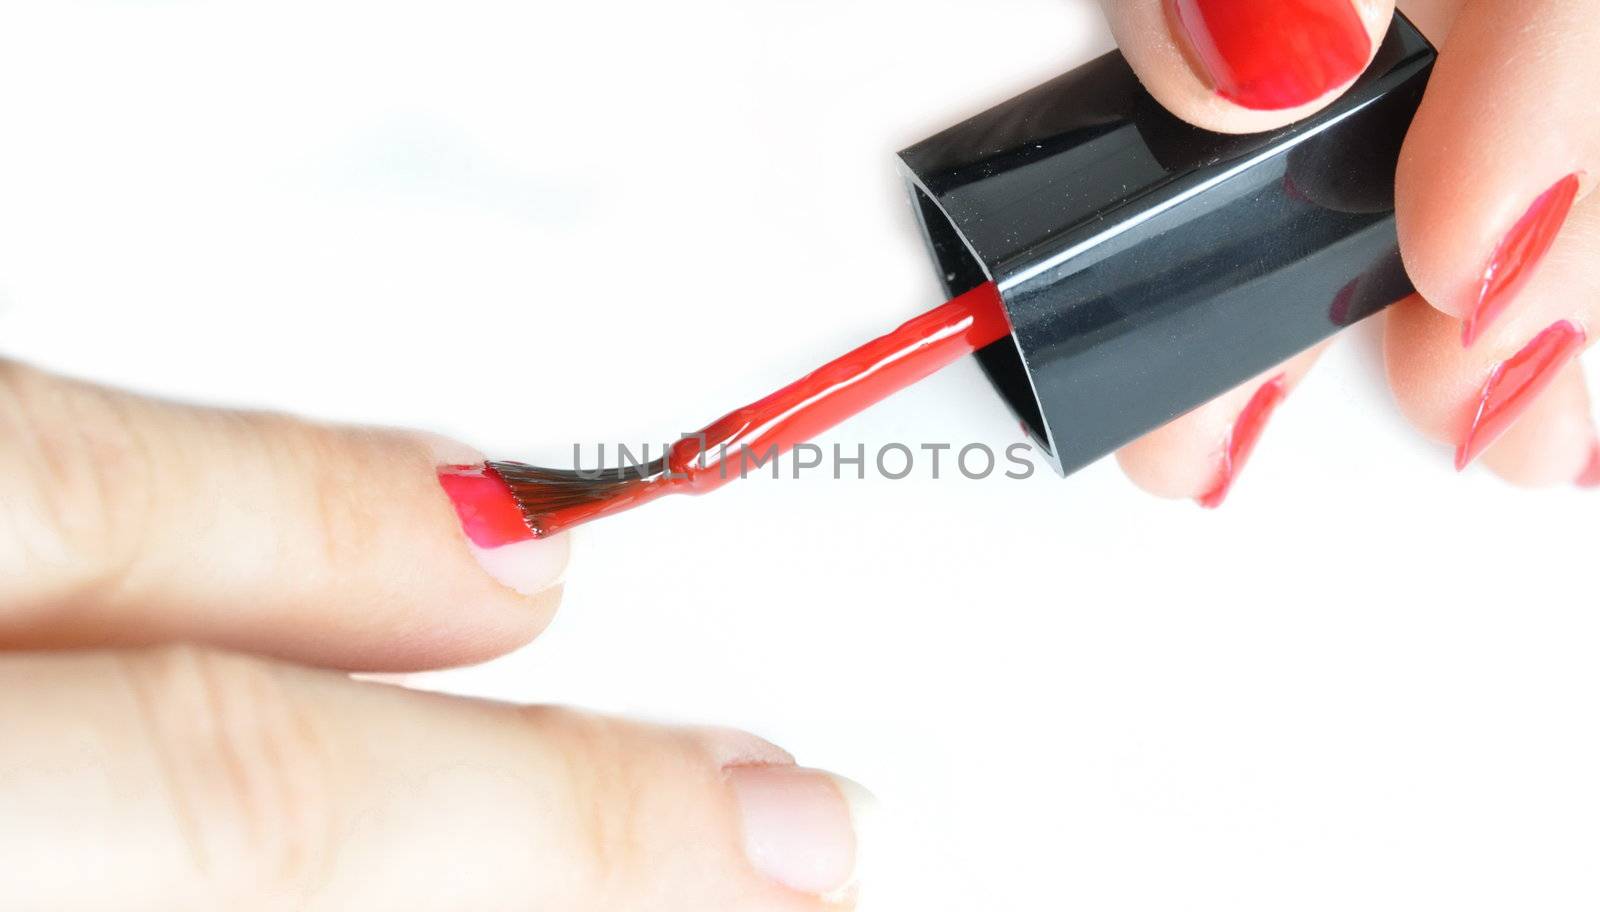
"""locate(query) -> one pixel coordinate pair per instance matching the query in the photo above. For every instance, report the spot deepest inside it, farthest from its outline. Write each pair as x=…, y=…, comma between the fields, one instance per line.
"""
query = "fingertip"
x=1274, y=55
x=527, y=567
x=804, y=829
x=491, y=520
x=1553, y=443
x=867, y=829
x=1479, y=203
x=1165, y=464
x=1200, y=455
x=1243, y=437
x=1523, y=409
x=1473, y=248
x=464, y=602
x=1246, y=67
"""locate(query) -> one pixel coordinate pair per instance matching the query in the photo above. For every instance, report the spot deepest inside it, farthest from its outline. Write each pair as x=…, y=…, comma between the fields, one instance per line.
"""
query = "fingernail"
x=1242, y=439
x=804, y=829
x=497, y=534
x=1518, y=256
x=1591, y=475
x=1515, y=384
x=1273, y=54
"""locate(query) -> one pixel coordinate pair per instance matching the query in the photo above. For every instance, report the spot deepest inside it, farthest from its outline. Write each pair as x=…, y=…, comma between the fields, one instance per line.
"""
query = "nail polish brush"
x=1111, y=266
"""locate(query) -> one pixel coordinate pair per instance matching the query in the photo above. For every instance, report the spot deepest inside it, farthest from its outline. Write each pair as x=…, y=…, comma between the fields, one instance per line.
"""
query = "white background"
x=1366, y=682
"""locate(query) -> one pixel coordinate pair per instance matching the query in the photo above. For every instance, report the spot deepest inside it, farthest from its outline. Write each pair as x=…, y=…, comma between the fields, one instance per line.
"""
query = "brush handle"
x=749, y=438
x=1147, y=265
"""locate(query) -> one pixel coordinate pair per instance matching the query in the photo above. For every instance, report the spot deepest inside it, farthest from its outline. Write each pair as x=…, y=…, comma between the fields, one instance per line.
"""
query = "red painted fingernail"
x=1242, y=440
x=1591, y=476
x=489, y=514
x=1273, y=54
x=1515, y=384
x=1518, y=255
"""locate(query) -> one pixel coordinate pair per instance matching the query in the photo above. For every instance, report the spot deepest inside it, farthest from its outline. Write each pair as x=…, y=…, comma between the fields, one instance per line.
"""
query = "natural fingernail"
x=1515, y=384
x=1518, y=256
x=1274, y=54
x=497, y=534
x=1591, y=475
x=1242, y=439
x=804, y=829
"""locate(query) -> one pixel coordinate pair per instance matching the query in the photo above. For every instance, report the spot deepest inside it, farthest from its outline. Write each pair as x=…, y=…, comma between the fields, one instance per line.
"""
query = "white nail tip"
x=527, y=568
x=865, y=823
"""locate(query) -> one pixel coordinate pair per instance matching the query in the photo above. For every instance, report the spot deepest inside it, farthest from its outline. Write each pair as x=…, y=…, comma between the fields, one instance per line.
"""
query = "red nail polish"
x=1273, y=54
x=1514, y=384
x=1591, y=475
x=489, y=514
x=1518, y=255
x=1242, y=440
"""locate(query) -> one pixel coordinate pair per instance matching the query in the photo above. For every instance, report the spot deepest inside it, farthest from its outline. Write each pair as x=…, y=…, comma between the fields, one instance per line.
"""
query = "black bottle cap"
x=1147, y=265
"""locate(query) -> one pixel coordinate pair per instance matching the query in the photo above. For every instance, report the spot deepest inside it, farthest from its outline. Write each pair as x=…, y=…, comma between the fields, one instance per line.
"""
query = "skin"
x=229, y=772
x=168, y=578
x=1506, y=116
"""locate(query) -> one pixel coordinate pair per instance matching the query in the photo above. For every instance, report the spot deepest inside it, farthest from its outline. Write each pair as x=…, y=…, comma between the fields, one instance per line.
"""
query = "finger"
x=1470, y=398
x=1534, y=429
x=1553, y=443
x=1243, y=66
x=126, y=520
x=186, y=779
x=1498, y=153
x=1201, y=454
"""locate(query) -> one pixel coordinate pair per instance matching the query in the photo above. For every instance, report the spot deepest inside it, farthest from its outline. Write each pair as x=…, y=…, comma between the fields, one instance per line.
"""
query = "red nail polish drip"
x=1275, y=54
x=745, y=439
x=1518, y=256
x=1515, y=384
x=1242, y=441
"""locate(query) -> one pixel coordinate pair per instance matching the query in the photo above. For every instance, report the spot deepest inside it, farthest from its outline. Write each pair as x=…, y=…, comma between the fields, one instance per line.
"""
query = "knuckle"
x=246, y=765
x=78, y=474
x=334, y=468
x=606, y=787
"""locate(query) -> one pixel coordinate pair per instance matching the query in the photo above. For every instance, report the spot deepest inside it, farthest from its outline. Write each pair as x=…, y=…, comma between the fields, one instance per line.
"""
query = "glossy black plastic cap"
x=1147, y=265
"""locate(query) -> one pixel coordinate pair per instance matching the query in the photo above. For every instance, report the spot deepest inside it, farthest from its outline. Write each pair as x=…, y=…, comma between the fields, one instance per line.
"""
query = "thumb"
x=187, y=779
x=1244, y=66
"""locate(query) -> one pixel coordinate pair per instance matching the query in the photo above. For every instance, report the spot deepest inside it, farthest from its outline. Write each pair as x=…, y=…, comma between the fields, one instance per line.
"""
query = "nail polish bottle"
x=1147, y=265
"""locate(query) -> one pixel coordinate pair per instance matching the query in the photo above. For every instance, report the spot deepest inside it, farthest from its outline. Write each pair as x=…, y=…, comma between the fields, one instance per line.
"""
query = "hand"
x=136, y=773
x=1494, y=226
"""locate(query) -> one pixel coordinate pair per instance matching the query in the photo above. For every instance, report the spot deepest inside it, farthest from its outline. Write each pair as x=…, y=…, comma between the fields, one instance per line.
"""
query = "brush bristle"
x=541, y=492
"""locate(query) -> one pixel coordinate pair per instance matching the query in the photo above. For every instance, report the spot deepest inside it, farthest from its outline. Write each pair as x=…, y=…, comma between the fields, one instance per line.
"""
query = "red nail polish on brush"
x=1242, y=441
x=1517, y=257
x=489, y=514
x=1273, y=54
x=1515, y=384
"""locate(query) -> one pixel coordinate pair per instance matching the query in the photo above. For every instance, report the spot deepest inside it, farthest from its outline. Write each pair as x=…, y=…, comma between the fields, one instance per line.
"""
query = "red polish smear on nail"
x=1273, y=54
x=746, y=439
x=1242, y=440
x=1515, y=384
x=1519, y=254
x=489, y=513
x=1591, y=475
